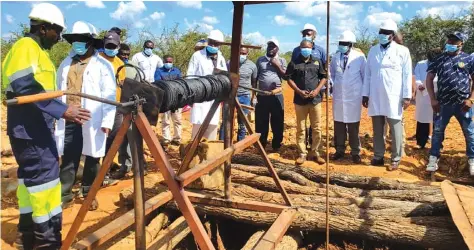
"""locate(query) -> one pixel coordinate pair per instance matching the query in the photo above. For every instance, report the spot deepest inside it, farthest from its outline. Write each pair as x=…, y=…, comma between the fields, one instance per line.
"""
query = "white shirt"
x=347, y=86
x=388, y=80
x=201, y=65
x=424, y=111
x=148, y=64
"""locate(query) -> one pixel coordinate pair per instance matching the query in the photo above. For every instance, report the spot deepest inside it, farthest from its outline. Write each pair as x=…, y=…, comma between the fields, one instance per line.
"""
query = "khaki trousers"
x=166, y=119
x=314, y=113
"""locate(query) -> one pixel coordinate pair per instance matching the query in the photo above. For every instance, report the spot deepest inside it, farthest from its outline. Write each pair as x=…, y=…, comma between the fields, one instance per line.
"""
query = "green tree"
x=469, y=45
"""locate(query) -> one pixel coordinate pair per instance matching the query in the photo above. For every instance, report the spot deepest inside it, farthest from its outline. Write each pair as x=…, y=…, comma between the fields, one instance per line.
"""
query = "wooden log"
x=345, y=180
x=169, y=237
x=212, y=228
x=155, y=226
x=439, y=233
x=266, y=183
x=289, y=242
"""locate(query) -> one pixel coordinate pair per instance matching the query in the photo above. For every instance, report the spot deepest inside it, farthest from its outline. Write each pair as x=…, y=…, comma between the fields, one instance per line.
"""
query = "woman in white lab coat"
x=347, y=74
x=206, y=62
x=424, y=111
x=85, y=71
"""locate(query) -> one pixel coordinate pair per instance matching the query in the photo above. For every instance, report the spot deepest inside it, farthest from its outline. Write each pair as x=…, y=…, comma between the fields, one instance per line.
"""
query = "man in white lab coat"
x=207, y=62
x=347, y=73
x=147, y=61
x=387, y=90
x=85, y=71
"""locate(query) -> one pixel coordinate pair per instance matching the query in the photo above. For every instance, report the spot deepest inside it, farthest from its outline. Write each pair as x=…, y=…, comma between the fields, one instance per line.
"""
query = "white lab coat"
x=201, y=65
x=148, y=64
x=424, y=111
x=98, y=80
x=347, y=86
x=388, y=80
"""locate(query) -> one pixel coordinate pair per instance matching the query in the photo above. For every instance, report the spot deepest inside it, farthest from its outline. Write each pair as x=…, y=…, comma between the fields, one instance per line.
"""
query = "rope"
x=181, y=92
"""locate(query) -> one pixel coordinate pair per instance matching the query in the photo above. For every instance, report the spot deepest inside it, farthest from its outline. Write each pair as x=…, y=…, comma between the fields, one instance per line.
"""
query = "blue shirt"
x=167, y=74
x=454, y=83
x=317, y=52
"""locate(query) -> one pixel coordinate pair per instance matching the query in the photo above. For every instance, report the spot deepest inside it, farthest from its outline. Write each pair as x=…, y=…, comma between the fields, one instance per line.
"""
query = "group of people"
x=42, y=132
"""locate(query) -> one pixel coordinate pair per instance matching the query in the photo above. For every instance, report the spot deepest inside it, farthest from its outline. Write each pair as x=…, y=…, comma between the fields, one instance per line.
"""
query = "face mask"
x=384, y=39
x=125, y=60
x=168, y=65
x=308, y=38
x=212, y=50
x=111, y=52
x=450, y=48
x=148, y=51
x=342, y=49
x=243, y=58
x=79, y=48
x=305, y=52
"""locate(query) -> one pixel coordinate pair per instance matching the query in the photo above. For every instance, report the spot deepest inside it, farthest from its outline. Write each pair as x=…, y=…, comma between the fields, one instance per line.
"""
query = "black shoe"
x=120, y=175
x=337, y=156
x=356, y=159
x=377, y=162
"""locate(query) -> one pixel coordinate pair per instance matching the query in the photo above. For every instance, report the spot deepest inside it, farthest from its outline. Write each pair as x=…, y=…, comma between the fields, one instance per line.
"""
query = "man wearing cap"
x=201, y=44
x=27, y=69
x=455, y=97
x=205, y=62
x=269, y=109
x=309, y=33
x=111, y=50
x=387, y=91
x=347, y=72
x=85, y=71
x=148, y=61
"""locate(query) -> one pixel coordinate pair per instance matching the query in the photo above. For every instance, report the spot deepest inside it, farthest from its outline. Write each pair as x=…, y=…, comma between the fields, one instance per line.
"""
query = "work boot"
x=320, y=160
x=393, y=166
x=337, y=156
x=356, y=159
x=377, y=162
x=432, y=164
x=301, y=159
x=471, y=166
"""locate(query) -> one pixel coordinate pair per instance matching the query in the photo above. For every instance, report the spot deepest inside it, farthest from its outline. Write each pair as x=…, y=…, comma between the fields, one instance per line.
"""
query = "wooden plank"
x=244, y=45
x=171, y=236
x=247, y=107
x=276, y=232
x=106, y=164
x=262, y=152
x=239, y=204
x=125, y=221
x=458, y=213
x=184, y=205
x=191, y=148
x=206, y=166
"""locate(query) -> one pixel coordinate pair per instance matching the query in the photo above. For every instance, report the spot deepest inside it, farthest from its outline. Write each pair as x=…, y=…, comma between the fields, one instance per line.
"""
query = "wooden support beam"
x=262, y=152
x=239, y=204
x=184, y=205
x=191, y=148
x=276, y=232
x=247, y=107
x=244, y=45
x=120, y=224
x=106, y=164
x=206, y=166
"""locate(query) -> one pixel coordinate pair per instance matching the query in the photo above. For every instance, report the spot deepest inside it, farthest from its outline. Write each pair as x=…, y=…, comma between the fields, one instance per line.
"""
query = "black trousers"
x=269, y=110
x=422, y=133
x=125, y=160
x=70, y=163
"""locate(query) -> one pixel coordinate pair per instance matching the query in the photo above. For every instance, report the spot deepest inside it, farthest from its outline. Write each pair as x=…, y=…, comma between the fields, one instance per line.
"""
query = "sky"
x=282, y=21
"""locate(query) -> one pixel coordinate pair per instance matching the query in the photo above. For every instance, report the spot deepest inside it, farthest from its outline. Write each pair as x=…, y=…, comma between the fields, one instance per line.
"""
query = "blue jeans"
x=440, y=122
x=241, y=132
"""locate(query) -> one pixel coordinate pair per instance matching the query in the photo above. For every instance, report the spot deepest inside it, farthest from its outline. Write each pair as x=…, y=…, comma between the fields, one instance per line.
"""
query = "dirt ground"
x=452, y=164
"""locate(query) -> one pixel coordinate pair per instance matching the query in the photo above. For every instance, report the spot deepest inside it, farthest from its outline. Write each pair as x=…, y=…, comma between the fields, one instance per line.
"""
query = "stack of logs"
x=366, y=207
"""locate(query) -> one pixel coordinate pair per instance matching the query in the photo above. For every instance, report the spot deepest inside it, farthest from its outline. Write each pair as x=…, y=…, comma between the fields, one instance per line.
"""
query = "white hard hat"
x=347, y=36
x=275, y=41
x=49, y=13
x=216, y=35
x=83, y=29
x=309, y=26
x=389, y=24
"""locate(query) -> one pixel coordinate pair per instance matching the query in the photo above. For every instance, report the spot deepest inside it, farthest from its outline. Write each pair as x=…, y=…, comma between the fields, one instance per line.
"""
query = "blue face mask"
x=125, y=60
x=307, y=38
x=342, y=49
x=305, y=52
x=212, y=50
x=450, y=48
x=111, y=52
x=243, y=58
x=168, y=65
x=384, y=39
x=79, y=48
x=148, y=51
